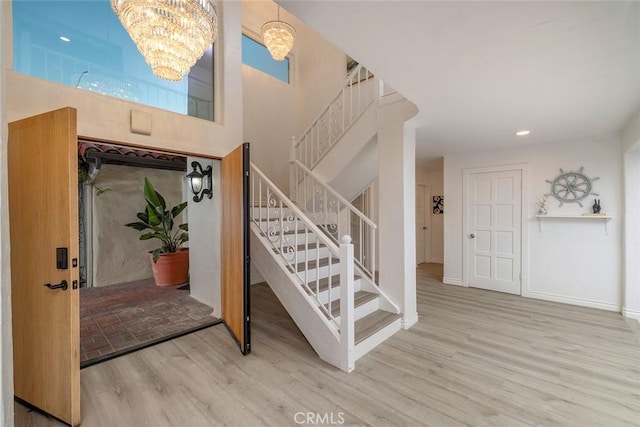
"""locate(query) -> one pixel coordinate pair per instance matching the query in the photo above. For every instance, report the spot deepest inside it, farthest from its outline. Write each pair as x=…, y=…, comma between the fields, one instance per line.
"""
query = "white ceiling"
x=478, y=71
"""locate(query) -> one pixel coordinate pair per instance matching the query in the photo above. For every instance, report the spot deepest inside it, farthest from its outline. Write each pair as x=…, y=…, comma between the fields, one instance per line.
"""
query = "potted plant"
x=169, y=262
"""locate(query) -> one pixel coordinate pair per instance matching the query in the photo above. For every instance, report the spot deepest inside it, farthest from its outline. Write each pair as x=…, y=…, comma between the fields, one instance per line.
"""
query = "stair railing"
x=297, y=243
x=336, y=216
x=357, y=92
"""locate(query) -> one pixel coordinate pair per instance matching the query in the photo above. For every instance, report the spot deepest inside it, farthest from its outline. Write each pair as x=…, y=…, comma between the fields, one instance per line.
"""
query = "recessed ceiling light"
x=65, y=39
x=523, y=132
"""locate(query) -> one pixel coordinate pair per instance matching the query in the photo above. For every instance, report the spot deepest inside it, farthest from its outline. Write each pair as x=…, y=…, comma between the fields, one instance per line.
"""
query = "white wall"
x=118, y=254
x=631, y=266
x=275, y=111
x=320, y=70
x=269, y=115
x=204, y=242
x=569, y=261
x=6, y=343
x=432, y=175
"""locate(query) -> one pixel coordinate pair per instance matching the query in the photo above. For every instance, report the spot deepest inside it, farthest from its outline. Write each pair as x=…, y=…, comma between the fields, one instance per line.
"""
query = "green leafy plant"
x=157, y=222
x=84, y=178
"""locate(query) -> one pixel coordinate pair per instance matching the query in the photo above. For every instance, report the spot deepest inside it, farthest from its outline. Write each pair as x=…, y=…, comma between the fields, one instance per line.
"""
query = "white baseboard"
x=452, y=281
x=573, y=301
x=408, y=322
x=437, y=260
x=631, y=314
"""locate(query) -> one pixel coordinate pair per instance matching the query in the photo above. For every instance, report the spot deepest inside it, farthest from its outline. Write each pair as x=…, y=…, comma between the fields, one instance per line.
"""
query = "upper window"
x=82, y=44
x=257, y=56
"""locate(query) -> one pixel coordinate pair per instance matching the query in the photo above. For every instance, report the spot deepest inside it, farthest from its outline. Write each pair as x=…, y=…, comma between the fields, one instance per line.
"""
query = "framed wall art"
x=438, y=204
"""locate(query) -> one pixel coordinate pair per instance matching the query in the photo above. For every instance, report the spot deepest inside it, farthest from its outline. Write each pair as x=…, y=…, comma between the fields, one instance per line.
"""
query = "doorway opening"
x=121, y=307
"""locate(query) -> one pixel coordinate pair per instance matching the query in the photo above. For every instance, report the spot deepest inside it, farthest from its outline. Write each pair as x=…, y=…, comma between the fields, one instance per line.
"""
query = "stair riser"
x=291, y=239
x=301, y=228
x=323, y=297
x=374, y=340
x=275, y=223
x=319, y=219
x=365, y=309
x=255, y=212
x=312, y=254
x=320, y=273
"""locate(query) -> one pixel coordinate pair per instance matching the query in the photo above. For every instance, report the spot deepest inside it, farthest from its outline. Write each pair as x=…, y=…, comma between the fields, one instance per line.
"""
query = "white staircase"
x=317, y=251
x=341, y=312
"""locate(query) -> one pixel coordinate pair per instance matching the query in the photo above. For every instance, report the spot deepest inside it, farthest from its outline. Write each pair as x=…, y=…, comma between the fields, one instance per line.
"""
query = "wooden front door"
x=43, y=217
x=235, y=245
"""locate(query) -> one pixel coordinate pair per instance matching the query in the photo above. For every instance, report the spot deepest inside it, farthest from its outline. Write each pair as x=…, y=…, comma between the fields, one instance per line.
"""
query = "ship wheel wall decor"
x=572, y=187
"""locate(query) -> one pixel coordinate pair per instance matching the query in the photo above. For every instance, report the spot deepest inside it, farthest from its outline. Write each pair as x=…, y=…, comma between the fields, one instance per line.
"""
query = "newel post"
x=347, y=310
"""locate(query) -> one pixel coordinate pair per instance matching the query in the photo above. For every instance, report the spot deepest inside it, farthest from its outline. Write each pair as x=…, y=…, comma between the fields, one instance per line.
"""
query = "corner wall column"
x=396, y=218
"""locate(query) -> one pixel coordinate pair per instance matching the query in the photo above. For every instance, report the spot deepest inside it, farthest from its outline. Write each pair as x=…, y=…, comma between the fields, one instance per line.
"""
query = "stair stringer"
x=317, y=329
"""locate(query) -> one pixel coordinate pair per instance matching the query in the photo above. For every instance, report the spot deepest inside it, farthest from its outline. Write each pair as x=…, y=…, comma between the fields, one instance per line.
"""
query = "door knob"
x=424, y=228
x=62, y=285
x=472, y=236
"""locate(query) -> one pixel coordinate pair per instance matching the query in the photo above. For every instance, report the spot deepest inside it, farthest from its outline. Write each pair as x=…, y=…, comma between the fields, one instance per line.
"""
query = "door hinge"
x=247, y=318
x=246, y=173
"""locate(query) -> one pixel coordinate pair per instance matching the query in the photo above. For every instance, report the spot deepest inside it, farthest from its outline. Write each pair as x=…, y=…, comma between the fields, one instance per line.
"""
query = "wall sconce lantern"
x=200, y=182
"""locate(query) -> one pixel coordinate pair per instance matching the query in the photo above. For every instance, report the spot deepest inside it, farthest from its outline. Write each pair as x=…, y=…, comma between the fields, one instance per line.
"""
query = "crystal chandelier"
x=171, y=34
x=278, y=37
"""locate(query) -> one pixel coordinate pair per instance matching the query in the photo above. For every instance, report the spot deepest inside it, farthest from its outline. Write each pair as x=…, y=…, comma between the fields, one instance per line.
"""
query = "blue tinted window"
x=82, y=44
x=257, y=56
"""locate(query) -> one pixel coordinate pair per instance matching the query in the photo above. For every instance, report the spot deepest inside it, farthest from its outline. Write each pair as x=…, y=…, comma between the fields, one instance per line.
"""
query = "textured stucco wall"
x=118, y=255
x=204, y=242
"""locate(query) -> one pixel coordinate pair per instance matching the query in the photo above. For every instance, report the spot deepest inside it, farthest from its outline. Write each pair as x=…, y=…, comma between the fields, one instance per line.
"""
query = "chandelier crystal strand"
x=278, y=37
x=171, y=35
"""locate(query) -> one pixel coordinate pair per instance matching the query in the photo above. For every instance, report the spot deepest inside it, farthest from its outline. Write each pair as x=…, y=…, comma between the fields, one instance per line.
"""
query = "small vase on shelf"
x=541, y=204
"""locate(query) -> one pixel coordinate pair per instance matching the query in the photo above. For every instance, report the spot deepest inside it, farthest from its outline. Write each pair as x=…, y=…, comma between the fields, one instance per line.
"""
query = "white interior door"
x=423, y=226
x=494, y=230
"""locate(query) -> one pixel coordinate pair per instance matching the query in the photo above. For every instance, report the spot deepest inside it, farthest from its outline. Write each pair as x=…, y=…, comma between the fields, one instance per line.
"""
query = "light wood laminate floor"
x=476, y=358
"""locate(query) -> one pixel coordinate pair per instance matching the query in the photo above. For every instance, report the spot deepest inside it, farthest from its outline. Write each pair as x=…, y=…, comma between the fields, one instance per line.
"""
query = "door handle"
x=424, y=228
x=62, y=285
x=472, y=236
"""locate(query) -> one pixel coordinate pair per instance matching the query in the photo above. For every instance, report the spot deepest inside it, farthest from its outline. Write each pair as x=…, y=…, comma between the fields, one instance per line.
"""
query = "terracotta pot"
x=171, y=269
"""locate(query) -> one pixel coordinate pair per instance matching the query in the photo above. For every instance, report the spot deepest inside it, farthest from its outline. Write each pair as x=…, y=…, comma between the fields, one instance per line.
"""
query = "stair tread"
x=359, y=298
x=372, y=323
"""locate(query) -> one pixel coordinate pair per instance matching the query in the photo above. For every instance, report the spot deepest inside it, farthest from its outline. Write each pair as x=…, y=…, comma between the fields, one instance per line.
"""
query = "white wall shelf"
x=604, y=218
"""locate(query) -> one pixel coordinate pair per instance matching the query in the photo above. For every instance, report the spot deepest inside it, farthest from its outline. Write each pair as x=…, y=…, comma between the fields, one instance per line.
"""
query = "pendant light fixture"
x=278, y=37
x=171, y=35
